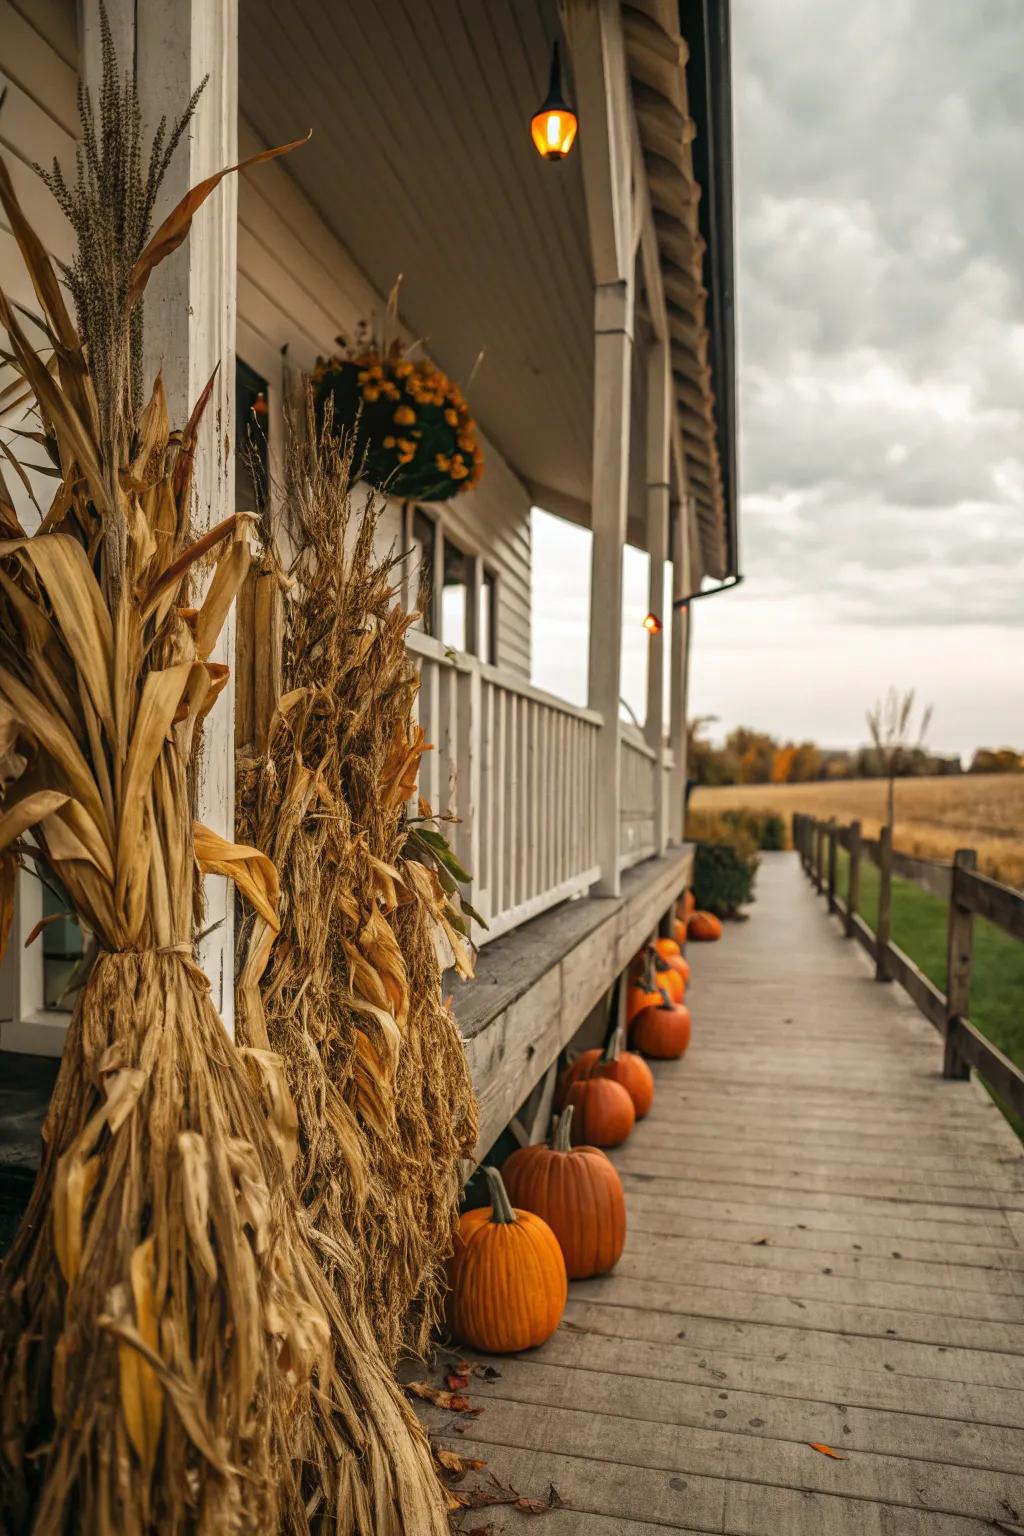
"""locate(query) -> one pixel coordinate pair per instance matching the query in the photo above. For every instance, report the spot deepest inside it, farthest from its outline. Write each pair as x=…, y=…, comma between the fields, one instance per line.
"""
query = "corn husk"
x=351, y=996
x=162, y=1325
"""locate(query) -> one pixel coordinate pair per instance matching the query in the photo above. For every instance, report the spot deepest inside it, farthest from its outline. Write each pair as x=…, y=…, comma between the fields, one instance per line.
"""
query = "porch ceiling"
x=421, y=163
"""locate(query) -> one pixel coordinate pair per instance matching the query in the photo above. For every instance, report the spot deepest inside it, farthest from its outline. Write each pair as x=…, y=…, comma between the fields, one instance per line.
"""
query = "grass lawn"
x=919, y=922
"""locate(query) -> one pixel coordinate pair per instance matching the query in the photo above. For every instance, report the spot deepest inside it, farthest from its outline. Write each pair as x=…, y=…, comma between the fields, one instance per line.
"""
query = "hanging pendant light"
x=554, y=124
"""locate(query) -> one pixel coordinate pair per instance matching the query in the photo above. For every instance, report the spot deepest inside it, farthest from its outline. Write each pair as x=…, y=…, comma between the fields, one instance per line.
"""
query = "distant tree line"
x=755, y=757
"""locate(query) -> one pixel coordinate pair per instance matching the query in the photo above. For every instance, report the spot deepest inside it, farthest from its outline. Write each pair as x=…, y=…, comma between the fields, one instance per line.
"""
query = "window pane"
x=423, y=536
x=455, y=597
x=488, y=632
x=252, y=425
x=62, y=949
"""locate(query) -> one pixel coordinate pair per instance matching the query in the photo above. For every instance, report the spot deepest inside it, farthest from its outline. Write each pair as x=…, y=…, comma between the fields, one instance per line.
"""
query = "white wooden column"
x=604, y=103
x=679, y=657
x=659, y=405
x=190, y=326
x=613, y=360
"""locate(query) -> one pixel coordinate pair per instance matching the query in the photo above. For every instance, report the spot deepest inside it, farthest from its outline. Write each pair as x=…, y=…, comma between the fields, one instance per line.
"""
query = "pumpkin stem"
x=614, y=1047
x=560, y=1141
x=501, y=1206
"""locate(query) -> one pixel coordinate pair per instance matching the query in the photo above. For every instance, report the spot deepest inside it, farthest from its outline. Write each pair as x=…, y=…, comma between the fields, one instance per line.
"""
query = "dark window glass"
x=424, y=534
x=488, y=621
x=252, y=426
x=62, y=948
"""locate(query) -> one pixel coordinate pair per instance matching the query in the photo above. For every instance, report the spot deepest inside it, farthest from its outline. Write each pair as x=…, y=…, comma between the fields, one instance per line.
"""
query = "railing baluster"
x=959, y=947
x=833, y=847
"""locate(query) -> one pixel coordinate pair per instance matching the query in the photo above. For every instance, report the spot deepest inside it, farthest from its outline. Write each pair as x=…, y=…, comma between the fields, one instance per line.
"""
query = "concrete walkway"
x=826, y=1244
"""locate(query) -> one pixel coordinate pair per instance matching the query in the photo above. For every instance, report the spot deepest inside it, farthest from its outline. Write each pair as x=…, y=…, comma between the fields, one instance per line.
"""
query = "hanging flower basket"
x=414, y=436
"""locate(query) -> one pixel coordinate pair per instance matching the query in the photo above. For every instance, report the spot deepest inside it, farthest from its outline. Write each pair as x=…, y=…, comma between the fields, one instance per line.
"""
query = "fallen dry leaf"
x=760, y=1242
x=540, y=1506
x=457, y=1465
x=825, y=1450
x=456, y=1382
x=439, y=1396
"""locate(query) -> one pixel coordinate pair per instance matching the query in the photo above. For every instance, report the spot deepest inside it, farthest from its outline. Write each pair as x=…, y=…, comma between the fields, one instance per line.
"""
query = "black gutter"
x=705, y=25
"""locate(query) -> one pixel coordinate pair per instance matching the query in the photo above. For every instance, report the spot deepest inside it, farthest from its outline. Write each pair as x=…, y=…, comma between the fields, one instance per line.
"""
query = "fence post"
x=819, y=855
x=833, y=848
x=958, y=966
x=884, y=904
x=853, y=890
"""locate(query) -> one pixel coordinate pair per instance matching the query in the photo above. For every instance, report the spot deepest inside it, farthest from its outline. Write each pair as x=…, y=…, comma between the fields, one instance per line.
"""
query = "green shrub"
x=723, y=875
x=766, y=828
x=762, y=829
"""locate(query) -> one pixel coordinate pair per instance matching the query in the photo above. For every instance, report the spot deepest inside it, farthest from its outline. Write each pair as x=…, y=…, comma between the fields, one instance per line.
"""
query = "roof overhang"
x=679, y=63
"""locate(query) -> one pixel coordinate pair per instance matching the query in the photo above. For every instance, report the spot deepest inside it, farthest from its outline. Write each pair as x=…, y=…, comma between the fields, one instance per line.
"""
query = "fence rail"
x=969, y=894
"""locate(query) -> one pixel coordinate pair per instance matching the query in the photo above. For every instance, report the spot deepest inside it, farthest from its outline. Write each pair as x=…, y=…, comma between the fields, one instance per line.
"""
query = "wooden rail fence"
x=968, y=893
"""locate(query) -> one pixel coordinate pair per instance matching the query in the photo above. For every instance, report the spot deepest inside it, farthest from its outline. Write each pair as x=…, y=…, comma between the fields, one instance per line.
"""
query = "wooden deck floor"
x=826, y=1243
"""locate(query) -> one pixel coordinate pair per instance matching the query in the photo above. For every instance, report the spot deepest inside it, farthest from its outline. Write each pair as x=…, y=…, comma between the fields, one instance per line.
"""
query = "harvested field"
x=934, y=816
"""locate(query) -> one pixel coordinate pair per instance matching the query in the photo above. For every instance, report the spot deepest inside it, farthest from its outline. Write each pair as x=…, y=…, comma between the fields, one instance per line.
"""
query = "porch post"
x=658, y=491
x=613, y=356
x=597, y=44
x=679, y=663
x=190, y=329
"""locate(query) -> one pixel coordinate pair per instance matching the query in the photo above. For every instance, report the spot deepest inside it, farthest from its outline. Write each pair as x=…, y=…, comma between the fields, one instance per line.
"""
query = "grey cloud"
x=881, y=283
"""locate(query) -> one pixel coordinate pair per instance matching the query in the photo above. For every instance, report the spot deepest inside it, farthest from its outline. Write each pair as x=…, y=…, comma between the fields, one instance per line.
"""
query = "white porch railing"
x=516, y=767
x=638, y=818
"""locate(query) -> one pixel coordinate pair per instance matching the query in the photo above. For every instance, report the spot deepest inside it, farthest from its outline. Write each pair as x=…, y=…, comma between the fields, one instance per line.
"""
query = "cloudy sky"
x=879, y=168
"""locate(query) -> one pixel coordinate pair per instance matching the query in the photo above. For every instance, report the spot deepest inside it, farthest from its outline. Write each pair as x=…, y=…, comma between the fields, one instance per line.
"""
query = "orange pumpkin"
x=704, y=927
x=662, y=1032
x=679, y=929
x=686, y=905
x=668, y=951
x=507, y=1275
x=604, y=1112
x=672, y=983
x=578, y=1193
x=583, y=1066
x=629, y=1069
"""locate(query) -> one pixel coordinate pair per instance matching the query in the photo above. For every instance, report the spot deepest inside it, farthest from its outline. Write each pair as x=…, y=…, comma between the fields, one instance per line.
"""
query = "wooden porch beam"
x=659, y=407
x=597, y=42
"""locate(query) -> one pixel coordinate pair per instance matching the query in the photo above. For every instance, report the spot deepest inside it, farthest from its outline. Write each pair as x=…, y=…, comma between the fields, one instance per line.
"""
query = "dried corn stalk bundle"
x=161, y=1319
x=352, y=996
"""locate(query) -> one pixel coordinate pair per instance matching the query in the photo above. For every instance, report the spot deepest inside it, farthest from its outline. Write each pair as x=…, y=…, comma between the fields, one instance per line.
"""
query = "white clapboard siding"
x=512, y=769
x=298, y=290
x=639, y=769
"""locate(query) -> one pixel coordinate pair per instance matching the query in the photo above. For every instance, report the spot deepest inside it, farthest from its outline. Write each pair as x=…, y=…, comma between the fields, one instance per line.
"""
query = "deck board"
x=826, y=1243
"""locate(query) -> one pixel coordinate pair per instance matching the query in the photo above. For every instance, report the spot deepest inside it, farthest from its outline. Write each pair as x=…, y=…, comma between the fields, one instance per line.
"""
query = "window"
x=455, y=593
x=422, y=540
x=252, y=426
x=62, y=948
x=487, y=619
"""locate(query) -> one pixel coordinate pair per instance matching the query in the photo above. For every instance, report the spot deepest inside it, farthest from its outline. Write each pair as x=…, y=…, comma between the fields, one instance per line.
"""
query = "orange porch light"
x=554, y=124
x=653, y=624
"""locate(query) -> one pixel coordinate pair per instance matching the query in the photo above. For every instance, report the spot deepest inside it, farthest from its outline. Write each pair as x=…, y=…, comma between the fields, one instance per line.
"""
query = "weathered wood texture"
x=535, y=986
x=826, y=1244
x=967, y=893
